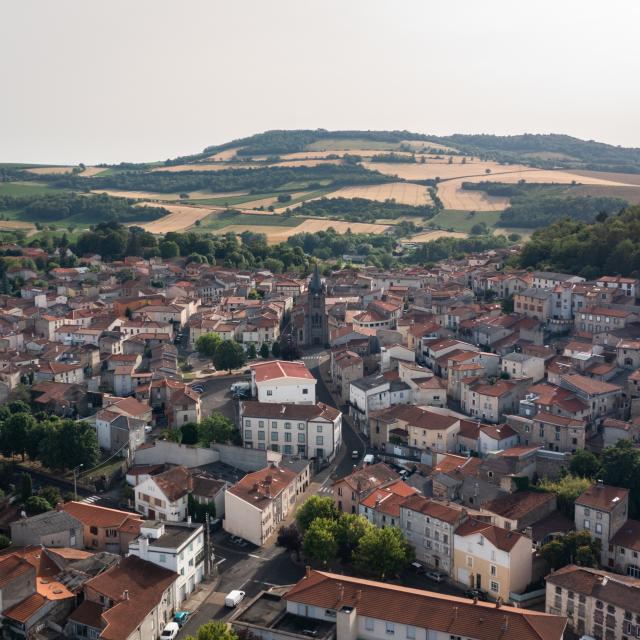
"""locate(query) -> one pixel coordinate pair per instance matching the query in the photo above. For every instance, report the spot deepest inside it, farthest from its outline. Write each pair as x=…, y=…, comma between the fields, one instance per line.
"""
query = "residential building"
x=491, y=558
x=178, y=547
x=346, y=367
x=164, y=496
x=521, y=365
x=349, y=491
x=310, y=431
x=282, y=381
x=597, y=604
x=50, y=529
x=382, y=506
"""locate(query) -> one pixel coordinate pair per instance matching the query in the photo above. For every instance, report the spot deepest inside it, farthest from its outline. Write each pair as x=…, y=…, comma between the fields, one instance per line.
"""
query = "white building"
x=177, y=547
x=366, y=395
x=165, y=496
x=282, y=381
x=310, y=431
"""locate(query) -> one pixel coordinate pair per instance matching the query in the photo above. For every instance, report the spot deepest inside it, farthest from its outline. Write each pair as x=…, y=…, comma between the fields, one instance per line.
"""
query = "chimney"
x=307, y=571
x=340, y=591
x=498, y=602
x=125, y=594
x=475, y=599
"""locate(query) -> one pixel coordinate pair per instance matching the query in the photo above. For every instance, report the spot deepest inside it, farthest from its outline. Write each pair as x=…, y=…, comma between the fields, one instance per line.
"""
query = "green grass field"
x=339, y=144
x=216, y=221
x=463, y=220
x=18, y=189
x=231, y=200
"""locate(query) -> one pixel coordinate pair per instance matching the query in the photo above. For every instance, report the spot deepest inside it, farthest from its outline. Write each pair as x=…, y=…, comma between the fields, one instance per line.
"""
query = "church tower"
x=316, y=333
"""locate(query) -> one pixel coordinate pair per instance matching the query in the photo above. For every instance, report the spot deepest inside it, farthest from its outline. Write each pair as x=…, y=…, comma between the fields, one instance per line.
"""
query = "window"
x=598, y=527
x=287, y=425
x=269, y=392
x=611, y=609
x=319, y=439
x=300, y=426
x=247, y=423
x=247, y=434
x=319, y=428
x=162, y=557
x=411, y=633
x=261, y=423
x=301, y=437
x=587, y=524
x=274, y=425
x=494, y=570
x=599, y=604
x=93, y=530
x=469, y=561
x=287, y=437
x=494, y=586
x=274, y=436
x=389, y=628
x=260, y=435
x=305, y=391
x=369, y=624
x=112, y=533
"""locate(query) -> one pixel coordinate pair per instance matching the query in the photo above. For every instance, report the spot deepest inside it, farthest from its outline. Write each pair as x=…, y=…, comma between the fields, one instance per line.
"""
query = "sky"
x=143, y=80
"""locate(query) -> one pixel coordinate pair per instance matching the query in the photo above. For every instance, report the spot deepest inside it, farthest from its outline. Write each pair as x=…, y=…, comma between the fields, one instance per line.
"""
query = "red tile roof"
x=275, y=369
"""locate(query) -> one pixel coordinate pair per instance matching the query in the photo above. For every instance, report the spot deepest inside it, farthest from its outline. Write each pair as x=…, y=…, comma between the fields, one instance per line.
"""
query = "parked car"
x=148, y=428
x=417, y=567
x=234, y=598
x=476, y=593
x=181, y=617
x=170, y=631
x=355, y=454
x=436, y=576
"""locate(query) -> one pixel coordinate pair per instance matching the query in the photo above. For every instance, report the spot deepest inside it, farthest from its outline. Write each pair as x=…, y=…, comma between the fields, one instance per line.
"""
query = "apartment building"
x=178, y=547
x=491, y=402
x=256, y=505
x=165, y=496
x=345, y=367
x=521, y=365
x=429, y=526
x=349, y=491
x=491, y=558
x=382, y=506
x=597, y=603
x=307, y=430
x=602, y=510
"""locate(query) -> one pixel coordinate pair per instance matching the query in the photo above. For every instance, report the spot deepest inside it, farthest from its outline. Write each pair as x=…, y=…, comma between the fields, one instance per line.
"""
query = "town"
x=196, y=442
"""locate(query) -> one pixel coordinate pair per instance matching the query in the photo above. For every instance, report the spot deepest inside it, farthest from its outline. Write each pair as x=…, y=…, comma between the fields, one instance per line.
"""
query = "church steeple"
x=315, y=286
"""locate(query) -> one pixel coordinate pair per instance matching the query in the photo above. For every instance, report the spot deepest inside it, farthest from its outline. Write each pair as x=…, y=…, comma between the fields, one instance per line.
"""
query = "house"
x=491, y=402
x=496, y=438
x=549, y=279
x=429, y=526
x=307, y=430
x=50, y=529
x=104, y=529
x=597, y=603
x=178, y=547
x=346, y=608
x=118, y=433
x=131, y=601
x=382, y=506
x=349, y=491
x=628, y=354
x=533, y=303
x=491, y=558
x=516, y=511
x=282, y=381
x=366, y=396
x=603, y=398
x=602, y=510
x=69, y=372
x=345, y=367
x=257, y=504
x=164, y=496
x=521, y=365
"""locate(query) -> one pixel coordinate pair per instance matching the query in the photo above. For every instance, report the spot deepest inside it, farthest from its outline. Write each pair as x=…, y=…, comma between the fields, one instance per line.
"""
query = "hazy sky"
x=89, y=81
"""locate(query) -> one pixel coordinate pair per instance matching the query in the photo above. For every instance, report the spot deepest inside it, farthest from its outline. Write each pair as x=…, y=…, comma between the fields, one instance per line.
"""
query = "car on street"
x=234, y=598
x=417, y=567
x=181, y=617
x=476, y=593
x=170, y=631
x=148, y=428
x=241, y=542
x=436, y=576
x=355, y=454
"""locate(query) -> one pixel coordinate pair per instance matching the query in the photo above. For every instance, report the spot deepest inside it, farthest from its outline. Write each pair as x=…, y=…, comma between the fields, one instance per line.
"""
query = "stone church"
x=309, y=317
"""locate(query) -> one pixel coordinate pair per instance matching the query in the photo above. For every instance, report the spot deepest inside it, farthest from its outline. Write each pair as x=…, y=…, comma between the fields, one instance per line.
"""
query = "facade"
x=50, y=529
x=490, y=558
x=310, y=431
x=382, y=506
x=349, y=491
x=178, y=547
x=164, y=497
x=597, y=603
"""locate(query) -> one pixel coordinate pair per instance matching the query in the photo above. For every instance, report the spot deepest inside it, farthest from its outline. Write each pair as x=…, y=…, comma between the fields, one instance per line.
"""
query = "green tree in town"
x=216, y=428
x=584, y=464
x=229, y=355
x=198, y=511
x=169, y=249
x=290, y=538
x=189, y=432
x=351, y=529
x=621, y=468
x=567, y=489
x=275, y=349
x=576, y=547
x=214, y=630
x=35, y=505
x=316, y=507
x=51, y=494
x=383, y=553
x=70, y=444
x=4, y=541
x=320, y=542
x=207, y=344
x=264, y=351
x=251, y=352
x=13, y=435
x=26, y=487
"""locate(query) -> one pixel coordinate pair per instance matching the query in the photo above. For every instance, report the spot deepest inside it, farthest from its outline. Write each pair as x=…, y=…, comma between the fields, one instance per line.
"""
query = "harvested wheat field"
x=280, y=234
x=14, y=225
x=430, y=236
x=322, y=154
x=44, y=171
x=630, y=194
x=401, y=192
x=91, y=171
x=226, y=155
x=547, y=176
x=273, y=200
x=180, y=217
x=624, y=178
x=446, y=171
x=422, y=144
x=453, y=196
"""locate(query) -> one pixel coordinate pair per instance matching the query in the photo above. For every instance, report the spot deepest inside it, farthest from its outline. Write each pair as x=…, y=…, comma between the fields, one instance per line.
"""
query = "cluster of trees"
x=45, y=500
x=610, y=245
x=577, y=547
x=567, y=489
x=256, y=180
x=289, y=141
x=57, y=443
x=549, y=150
x=226, y=354
x=215, y=630
x=363, y=210
x=323, y=534
x=393, y=157
x=443, y=248
x=215, y=428
x=50, y=207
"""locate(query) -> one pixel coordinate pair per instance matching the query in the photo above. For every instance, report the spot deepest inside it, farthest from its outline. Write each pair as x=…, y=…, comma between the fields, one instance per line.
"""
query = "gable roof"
x=500, y=538
x=276, y=369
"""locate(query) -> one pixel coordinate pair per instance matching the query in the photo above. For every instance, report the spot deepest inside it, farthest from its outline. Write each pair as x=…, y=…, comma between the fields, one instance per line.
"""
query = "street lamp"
x=75, y=481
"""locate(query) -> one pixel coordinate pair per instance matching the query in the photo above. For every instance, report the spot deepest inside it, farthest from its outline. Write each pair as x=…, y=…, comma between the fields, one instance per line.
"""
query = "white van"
x=233, y=598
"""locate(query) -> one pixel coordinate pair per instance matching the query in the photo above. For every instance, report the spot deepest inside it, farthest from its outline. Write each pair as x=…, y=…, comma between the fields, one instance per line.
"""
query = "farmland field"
x=430, y=236
x=624, y=178
x=180, y=217
x=446, y=171
x=421, y=144
x=223, y=156
x=463, y=220
x=13, y=225
x=347, y=144
x=18, y=189
x=205, y=166
x=630, y=194
x=401, y=192
x=43, y=171
x=89, y=172
x=453, y=196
